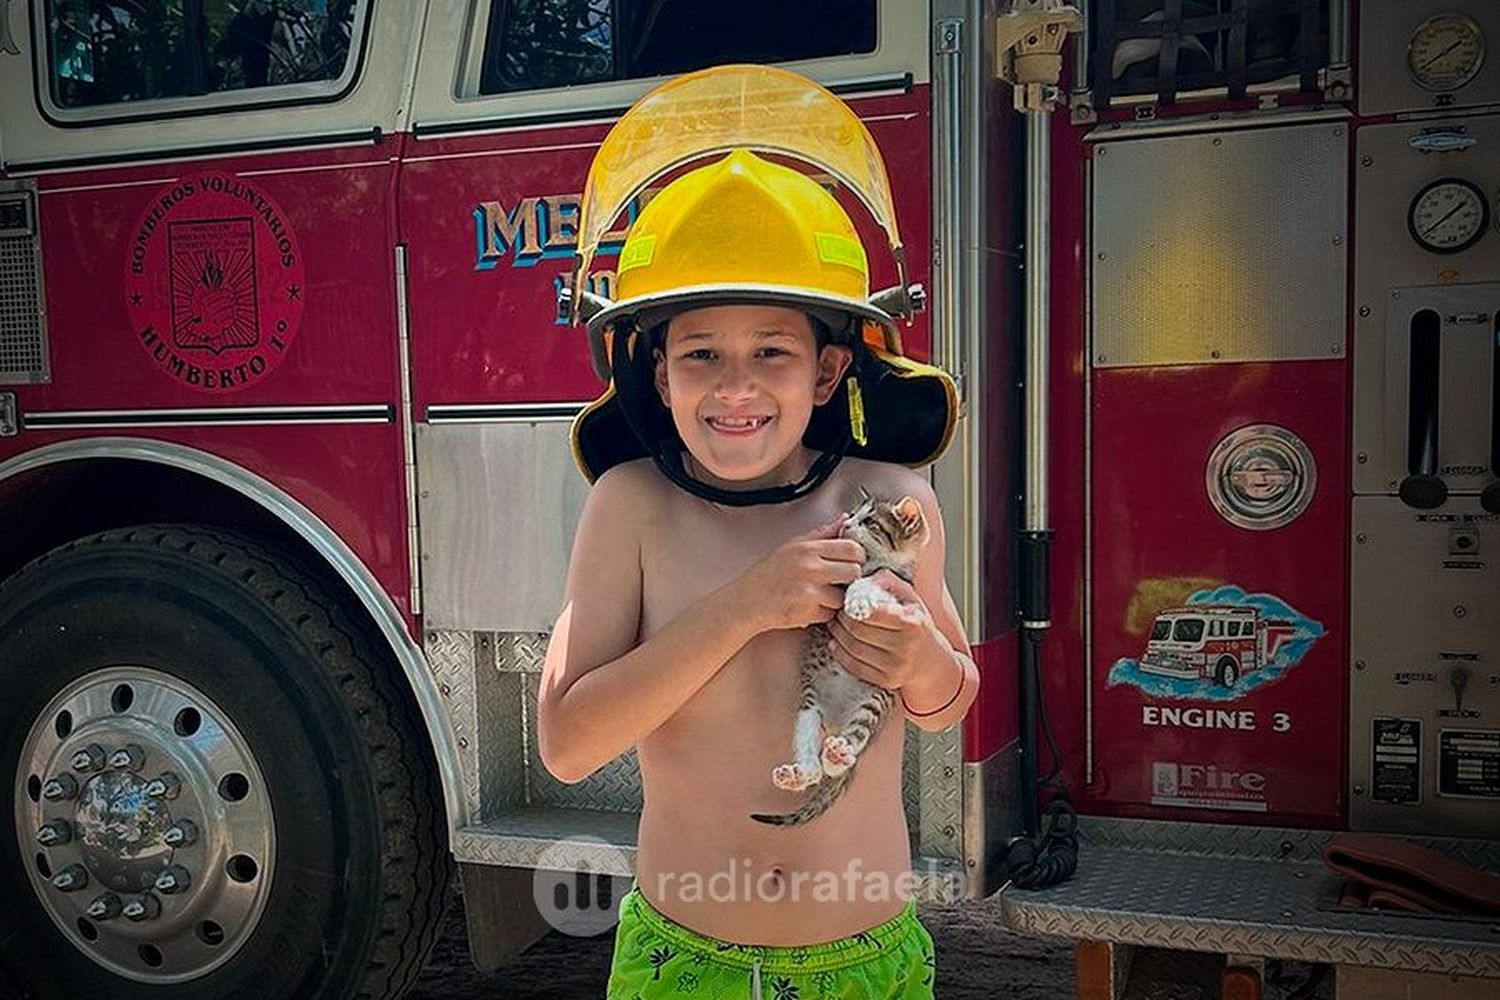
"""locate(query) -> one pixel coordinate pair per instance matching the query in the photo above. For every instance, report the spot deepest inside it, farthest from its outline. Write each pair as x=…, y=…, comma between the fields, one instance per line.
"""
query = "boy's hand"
x=803, y=581
x=895, y=645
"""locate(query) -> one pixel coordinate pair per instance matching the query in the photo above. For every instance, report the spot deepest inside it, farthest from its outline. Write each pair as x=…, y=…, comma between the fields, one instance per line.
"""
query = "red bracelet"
x=946, y=704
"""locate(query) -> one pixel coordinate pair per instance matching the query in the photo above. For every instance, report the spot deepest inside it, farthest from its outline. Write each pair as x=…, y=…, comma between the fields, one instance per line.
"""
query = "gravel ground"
x=976, y=960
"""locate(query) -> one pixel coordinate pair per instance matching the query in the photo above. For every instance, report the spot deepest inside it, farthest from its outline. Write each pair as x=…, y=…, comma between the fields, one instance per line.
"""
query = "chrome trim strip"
x=148, y=182
x=323, y=540
x=850, y=90
x=214, y=151
x=501, y=413
x=1225, y=122
x=209, y=416
x=408, y=432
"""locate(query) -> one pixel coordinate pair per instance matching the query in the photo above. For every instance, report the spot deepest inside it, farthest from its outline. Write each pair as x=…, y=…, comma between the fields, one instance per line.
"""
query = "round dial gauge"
x=1448, y=215
x=1445, y=52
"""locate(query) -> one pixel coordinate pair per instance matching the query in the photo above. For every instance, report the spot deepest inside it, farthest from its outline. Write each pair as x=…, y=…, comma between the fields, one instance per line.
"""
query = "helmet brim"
x=645, y=312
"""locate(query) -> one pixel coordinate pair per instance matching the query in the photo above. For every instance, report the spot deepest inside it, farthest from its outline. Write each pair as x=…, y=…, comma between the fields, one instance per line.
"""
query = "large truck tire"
x=217, y=789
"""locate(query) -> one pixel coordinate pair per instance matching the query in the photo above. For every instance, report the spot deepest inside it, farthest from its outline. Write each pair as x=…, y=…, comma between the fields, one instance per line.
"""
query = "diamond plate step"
x=1245, y=905
x=604, y=841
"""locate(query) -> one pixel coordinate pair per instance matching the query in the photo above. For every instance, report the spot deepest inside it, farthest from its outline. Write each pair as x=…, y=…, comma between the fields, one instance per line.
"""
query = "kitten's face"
x=888, y=530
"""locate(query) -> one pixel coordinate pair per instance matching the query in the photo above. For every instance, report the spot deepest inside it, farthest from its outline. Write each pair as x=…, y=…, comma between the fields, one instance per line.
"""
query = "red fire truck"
x=287, y=493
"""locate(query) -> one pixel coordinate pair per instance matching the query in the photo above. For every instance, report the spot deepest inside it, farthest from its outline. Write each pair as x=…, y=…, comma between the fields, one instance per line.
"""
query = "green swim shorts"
x=657, y=957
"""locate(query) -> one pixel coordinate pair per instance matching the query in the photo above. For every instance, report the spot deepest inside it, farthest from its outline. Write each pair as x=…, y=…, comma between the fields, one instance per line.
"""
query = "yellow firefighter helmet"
x=746, y=229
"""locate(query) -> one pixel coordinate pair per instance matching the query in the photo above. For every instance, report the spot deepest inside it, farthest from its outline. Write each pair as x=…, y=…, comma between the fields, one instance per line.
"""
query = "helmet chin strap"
x=668, y=455
x=669, y=461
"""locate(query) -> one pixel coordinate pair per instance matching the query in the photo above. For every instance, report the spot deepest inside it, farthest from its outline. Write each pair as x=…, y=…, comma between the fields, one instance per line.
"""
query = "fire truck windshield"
x=1161, y=629
x=1188, y=630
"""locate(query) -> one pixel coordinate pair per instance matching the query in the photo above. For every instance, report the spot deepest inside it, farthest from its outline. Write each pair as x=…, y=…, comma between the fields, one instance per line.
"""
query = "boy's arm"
x=601, y=692
x=918, y=648
x=938, y=698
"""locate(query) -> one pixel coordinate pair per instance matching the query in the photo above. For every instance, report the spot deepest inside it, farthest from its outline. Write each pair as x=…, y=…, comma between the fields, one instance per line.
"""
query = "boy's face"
x=741, y=382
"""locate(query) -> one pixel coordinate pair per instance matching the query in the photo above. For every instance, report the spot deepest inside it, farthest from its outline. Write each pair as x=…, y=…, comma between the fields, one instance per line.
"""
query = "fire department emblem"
x=1219, y=646
x=214, y=282
x=1261, y=477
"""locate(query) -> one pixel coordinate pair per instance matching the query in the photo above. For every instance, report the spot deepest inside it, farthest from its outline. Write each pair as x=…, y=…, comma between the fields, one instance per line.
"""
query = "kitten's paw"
x=861, y=599
x=838, y=756
x=792, y=778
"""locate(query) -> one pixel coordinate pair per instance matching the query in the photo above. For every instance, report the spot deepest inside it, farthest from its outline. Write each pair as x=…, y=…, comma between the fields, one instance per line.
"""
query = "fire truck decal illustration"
x=214, y=282
x=1219, y=646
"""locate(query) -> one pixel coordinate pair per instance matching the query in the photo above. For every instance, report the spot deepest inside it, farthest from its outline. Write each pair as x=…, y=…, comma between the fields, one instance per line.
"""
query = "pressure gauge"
x=1445, y=52
x=1448, y=215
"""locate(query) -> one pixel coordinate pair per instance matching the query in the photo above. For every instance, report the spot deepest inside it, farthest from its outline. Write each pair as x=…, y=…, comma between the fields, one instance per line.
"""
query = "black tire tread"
x=416, y=867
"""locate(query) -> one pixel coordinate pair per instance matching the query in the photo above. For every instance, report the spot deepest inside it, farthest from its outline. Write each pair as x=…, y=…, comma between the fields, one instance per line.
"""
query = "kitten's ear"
x=864, y=495
x=909, y=512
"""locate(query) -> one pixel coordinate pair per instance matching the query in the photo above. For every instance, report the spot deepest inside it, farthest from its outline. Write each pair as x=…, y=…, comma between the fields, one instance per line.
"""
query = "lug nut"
x=180, y=834
x=61, y=787
x=55, y=833
x=106, y=907
x=142, y=907
x=164, y=786
x=71, y=879
x=90, y=758
x=174, y=880
x=129, y=758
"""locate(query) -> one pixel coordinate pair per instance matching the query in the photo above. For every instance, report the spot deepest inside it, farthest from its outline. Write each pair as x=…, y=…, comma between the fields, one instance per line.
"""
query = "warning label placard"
x=1469, y=763
x=1397, y=761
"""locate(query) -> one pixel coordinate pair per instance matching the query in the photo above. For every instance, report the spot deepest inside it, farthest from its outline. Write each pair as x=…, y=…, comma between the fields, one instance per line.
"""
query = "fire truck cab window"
x=1188, y=630
x=1234, y=629
x=536, y=44
x=1161, y=629
x=104, y=52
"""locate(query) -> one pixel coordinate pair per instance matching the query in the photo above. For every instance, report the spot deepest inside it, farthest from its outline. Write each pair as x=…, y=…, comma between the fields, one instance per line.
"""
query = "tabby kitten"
x=840, y=713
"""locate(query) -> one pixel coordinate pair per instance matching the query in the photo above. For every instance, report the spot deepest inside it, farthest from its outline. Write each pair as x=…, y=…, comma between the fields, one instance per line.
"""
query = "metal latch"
x=10, y=424
x=1029, y=38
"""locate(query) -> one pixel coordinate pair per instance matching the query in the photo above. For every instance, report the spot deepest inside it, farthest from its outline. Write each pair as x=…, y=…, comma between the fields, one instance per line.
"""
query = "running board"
x=1261, y=892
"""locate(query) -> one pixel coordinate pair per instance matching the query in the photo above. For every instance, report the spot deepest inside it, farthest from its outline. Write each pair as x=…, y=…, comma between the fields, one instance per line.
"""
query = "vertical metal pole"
x=1338, y=34
x=1034, y=511
x=957, y=307
x=1036, y=533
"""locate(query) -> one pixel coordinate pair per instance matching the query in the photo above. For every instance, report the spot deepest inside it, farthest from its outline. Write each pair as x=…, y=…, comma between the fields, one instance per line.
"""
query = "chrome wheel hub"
x=146, y=824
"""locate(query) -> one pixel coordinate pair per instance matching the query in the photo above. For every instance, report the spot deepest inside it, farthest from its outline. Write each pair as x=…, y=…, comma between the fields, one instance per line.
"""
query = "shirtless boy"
x=682, y=624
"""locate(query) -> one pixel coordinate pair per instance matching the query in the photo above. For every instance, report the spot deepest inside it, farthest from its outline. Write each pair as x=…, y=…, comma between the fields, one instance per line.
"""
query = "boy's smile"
x=741, y=382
